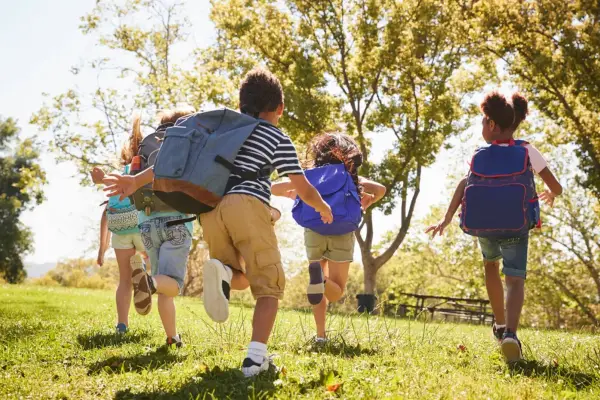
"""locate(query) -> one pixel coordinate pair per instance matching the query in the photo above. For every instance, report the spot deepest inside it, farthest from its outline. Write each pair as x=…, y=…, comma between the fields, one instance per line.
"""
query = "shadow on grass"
x=217, y=383
x=337, y=346
x=536, y=369
x=102, y=340
x=141, y=362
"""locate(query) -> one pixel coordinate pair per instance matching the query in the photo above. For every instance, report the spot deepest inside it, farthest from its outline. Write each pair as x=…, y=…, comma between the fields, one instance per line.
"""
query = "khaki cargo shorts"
x=242, y=225
x=339, y=248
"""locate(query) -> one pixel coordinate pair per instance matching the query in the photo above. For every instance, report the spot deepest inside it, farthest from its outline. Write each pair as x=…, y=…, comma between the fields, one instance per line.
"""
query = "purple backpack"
x=338, y=190
x=500, y=199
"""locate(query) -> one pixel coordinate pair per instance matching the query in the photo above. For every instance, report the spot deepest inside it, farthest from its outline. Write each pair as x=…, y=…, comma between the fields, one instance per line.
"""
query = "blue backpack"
x=500, y=199
x=337, y=188
x=197, y=157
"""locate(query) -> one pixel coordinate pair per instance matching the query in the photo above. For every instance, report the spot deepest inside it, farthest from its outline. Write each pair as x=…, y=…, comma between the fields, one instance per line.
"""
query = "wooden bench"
x=470, y=310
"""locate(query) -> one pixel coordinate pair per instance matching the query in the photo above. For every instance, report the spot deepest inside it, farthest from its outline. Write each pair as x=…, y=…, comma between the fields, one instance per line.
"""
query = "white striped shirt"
x=266, y=146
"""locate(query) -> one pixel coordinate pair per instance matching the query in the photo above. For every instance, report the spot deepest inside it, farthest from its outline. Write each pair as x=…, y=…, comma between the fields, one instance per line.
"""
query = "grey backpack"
x=145, y=198
x=196, y=159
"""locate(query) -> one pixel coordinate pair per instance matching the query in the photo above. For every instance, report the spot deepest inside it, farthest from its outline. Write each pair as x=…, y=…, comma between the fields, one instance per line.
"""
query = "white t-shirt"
x=538, y=162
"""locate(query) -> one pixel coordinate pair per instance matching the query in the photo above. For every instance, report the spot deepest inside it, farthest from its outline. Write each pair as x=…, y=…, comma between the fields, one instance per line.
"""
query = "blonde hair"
x=166, y=116
x=130, y=149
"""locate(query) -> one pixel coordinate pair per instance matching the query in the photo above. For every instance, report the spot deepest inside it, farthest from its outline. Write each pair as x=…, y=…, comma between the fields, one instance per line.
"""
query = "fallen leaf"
x=334, y=387
x=462, y=347
x=555, y=362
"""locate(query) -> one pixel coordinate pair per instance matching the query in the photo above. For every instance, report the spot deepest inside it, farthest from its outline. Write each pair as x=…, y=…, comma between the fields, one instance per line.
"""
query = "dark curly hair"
x=497, y=108
x=335, y=148
x=521, y=107
x=260, y=91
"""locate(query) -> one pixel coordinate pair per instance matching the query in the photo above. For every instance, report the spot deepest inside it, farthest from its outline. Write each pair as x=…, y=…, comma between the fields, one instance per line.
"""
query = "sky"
x=40, y=41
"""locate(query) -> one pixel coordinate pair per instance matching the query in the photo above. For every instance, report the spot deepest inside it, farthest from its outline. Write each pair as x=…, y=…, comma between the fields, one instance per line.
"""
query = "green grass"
x=58, y=344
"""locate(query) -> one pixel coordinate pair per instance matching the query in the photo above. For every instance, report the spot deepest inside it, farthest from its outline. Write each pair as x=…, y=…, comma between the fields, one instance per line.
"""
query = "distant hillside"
x=37, y=270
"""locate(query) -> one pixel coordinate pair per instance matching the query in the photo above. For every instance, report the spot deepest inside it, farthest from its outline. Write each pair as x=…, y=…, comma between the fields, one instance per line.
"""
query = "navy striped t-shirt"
x=266, y=146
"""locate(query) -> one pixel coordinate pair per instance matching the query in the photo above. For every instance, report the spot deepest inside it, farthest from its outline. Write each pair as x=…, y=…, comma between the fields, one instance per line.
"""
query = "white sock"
x=257, y=352
x=500, y=326
x=176, y=337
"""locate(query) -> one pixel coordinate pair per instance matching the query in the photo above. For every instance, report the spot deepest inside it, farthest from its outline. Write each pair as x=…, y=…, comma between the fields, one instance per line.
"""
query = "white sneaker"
x=217, y=285
x=251, y=368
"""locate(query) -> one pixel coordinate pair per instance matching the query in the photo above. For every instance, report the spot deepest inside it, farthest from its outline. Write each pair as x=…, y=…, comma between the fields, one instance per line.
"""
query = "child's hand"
x=438, y=228
x=119, y=185
x=291, y=194
x=367, y=201
x=97, y=175
x=326, y=215
x=100, y=260
x=548, y=197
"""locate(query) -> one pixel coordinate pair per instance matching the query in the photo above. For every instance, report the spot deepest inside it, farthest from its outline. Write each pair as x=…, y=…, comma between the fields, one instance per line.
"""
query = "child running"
x=167, y=240
x=500, y=121
x=241, y=223
x=330, y=255
x=121, y=219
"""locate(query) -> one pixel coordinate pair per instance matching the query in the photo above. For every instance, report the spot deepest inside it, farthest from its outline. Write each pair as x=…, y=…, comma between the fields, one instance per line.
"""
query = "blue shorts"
x=512, y=252
x=167, y=247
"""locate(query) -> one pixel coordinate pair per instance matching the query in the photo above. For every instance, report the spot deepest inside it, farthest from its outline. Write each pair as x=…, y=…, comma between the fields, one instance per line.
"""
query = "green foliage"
x=21, y=181
x=82, y=273
x=551, y=49
x=563, y=283
x=142, y=39
x=64, y=339
x=366, y=68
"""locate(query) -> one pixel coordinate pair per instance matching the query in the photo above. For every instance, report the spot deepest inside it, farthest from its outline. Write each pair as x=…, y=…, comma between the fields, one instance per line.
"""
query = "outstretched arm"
x=283, y=189
x=126, y=185
x=372, y=192
x=310, y=196
x=104, y=237
x=454, y=204
x=554, y=187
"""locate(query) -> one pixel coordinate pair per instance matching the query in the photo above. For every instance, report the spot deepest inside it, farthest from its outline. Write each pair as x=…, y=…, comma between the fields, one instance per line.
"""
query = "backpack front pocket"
x=174, y=152
x=494, y=208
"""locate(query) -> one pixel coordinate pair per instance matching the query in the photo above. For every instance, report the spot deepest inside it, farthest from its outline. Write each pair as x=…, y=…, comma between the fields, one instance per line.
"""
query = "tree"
x=143, y=73
x=550, y=48
x=372, y=66
x=21, y=181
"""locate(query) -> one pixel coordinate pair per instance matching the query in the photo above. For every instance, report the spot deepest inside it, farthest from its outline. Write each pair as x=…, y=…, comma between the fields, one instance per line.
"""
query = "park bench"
x=453, y=308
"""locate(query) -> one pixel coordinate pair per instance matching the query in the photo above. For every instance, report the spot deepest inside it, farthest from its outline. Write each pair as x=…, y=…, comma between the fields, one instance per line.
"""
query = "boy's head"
x=498, y=117
x=261, y=95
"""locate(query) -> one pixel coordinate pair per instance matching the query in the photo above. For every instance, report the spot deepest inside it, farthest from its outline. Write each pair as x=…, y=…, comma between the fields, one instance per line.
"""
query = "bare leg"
x=265, y=312
x=125, y=287
x=166, y=285
x=166, y=310
x=515, y=297
x=336, y=280
x=493, y=284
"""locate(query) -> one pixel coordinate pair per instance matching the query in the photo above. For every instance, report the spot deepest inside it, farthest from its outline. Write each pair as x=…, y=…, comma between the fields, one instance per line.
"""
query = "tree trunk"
x=370, y=271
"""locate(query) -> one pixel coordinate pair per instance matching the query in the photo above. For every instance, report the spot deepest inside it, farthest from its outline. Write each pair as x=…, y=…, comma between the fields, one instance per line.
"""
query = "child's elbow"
x=559, y=190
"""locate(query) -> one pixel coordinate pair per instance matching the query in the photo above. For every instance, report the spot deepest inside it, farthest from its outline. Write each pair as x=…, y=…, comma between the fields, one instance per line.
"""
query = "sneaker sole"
x=255, y=370
x=511, y=350
x=142, y=298
x=315, y=290
x=215, y=302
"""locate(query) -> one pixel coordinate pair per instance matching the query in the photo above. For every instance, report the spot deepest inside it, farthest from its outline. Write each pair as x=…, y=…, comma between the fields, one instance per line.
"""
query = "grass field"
x=59, y=344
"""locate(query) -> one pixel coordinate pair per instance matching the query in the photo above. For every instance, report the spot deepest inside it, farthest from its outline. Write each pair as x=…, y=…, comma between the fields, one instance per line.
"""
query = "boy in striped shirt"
x=242, y=225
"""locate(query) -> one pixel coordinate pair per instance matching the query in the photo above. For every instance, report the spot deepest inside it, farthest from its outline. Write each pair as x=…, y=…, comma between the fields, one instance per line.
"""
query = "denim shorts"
x=512, y=252
x=168, y=247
